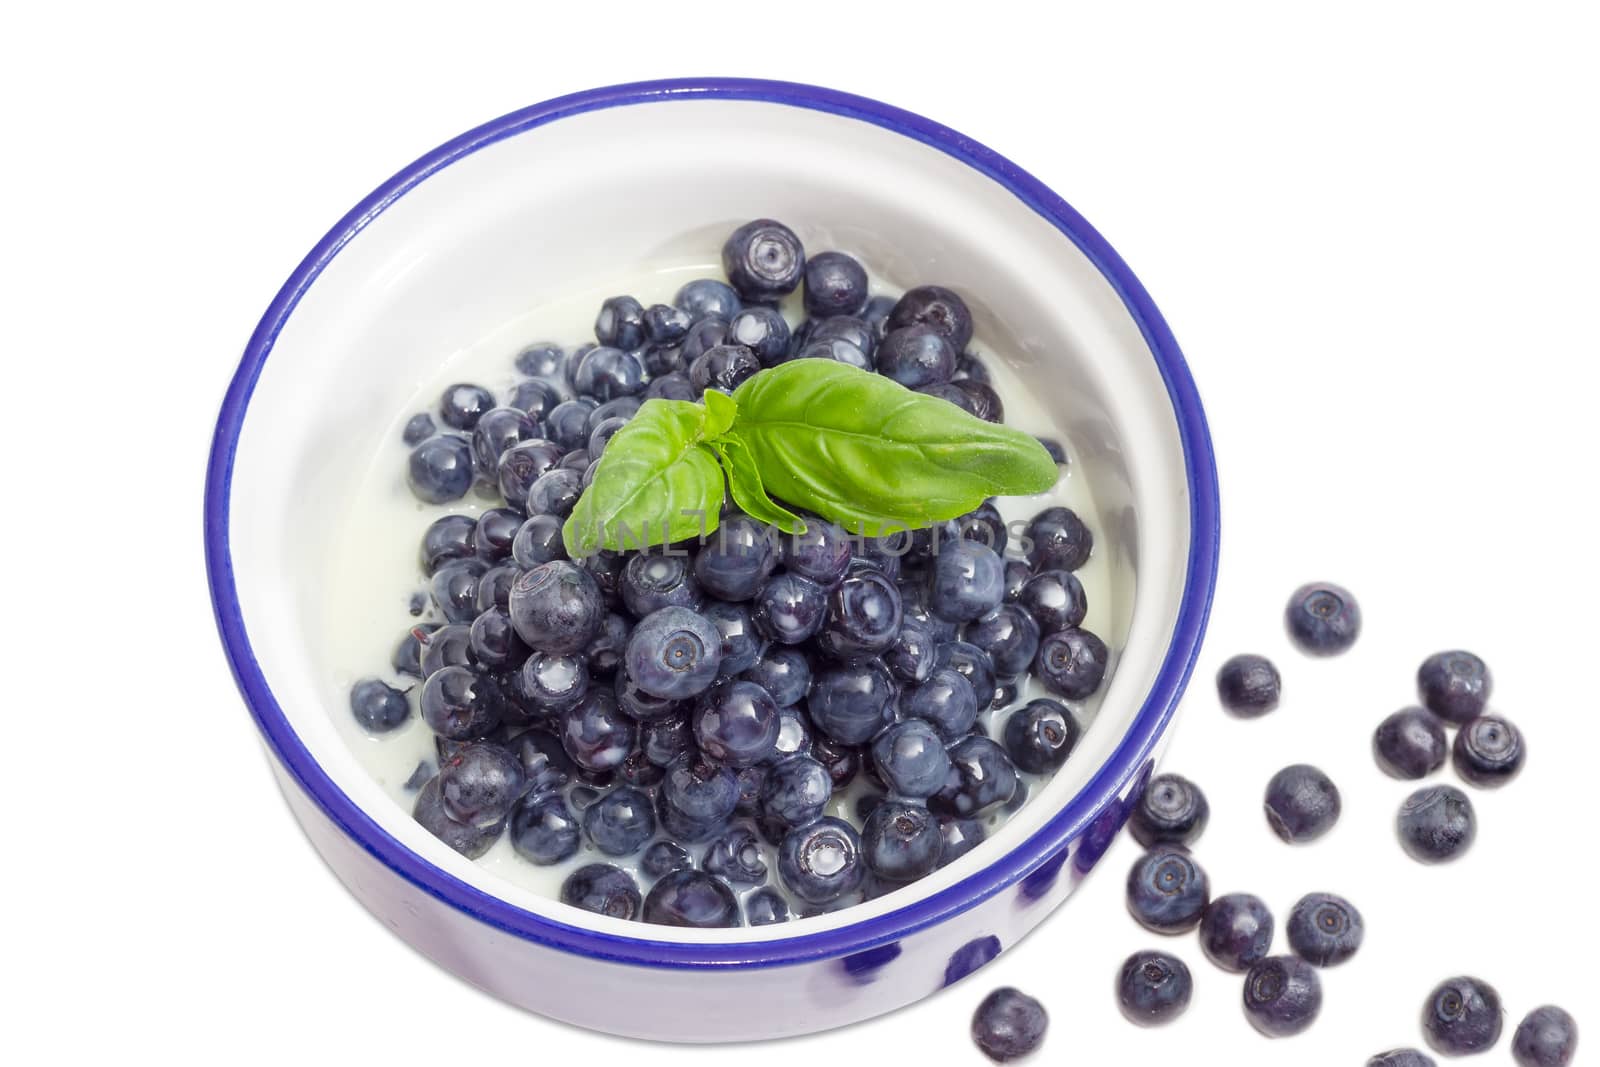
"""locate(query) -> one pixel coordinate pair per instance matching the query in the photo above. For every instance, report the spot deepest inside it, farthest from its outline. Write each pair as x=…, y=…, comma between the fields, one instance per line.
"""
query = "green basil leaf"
x=744, y=481
x=720, y=411
x=864, y=451
x=656, y=483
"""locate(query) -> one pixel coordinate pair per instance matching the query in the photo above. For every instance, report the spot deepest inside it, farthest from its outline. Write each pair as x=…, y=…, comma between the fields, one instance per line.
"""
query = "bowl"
x=470, y=236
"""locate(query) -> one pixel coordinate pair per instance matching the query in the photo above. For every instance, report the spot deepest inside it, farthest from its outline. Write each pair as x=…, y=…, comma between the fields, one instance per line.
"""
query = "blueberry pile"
x=753, y=726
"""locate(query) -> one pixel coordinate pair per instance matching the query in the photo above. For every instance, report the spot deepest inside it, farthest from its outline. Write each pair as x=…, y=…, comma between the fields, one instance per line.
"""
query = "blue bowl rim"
x=1104, y=789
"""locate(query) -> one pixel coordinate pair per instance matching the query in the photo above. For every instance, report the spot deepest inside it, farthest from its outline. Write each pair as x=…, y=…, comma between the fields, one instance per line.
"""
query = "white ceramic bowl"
x=469, y=237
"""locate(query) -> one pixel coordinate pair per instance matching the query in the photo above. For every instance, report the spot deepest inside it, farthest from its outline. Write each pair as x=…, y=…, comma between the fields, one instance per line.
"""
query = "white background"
x=1373, y=229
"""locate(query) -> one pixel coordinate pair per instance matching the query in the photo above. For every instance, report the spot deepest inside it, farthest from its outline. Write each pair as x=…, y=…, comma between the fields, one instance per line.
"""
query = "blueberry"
x=664, y=857
x=377, y=707
x=793, y=794
x=1008, y=1025
x=497, y=430
x=407, y=658
x=621, y=407
x=1010, y=636
x=944, y=701
x=1071, y=663
x=783, y=672
x=821, y=861
x=863, y=617
x=553, y=682
x=538, y=541
x=703, y=336
x=1236, y=931
x=674, y=385
x=982, y=776
x=1249, y=686
x=651, y=582
x=1488, y=751
x=665, y=324
x=1410, y=744
x=763, y=259
x=1168, y=892
x=911, y=657
x=935, y=306
x=1322, y=619
x=1401, y=1057
x=494, y=533
x=1325, y=930
x=1153, y=988
x=959, y=836
x=842, y=761
x=556, y=607
x=901, y=842
x=952, y=393
x=522, y=464
x=789, y=609
x=705, y=297
x=541, y=360
x=1454, y=685
x=1282, y=996
x=493, y=641
x=794, y=735
x=910, y=758
x=1171, y=811
x=494, y=588
x=534, y=397
x=1462, y=1016
x=480, y=783
x=555, y=493
x=876, y=314
x=602, y=889
x=543, y=829
x=763, y=332
x=851, y=703
x=973, y=663
x=1057, y=451
x=462, y=405
x=460, y=704
x=968, y=581
x=691, y=898
x=1302, y=803
x=1060, y=539
x=446, y=646
x=723, y=367
x=620, y=822
x=735, y=856
x=1547, y=1037
x=608, y=372
x=664, y=739
x=440, y=469
x=596, y=734
x=764, y=907
x=620, y=322
x=835, y=284
x=821, y=554
x=915, y=356
x=736, y=560
x=985, y=525
x=418, y=428
x=1040, y=735
x=545, y=764
x=736, y=723
x=674, y=653
x=568, y=423
x=471, y=841
x=700, y=790
x=1436, y=824
x=1055, y=599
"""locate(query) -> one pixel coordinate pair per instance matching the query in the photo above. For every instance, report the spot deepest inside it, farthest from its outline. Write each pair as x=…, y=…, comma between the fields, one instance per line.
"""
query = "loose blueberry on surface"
x=723, y=367
x=863, y=618
x=1008, y=1025
x=691, y=898
x=1301, y=803
x=460, y=704
x=596, y=734
x=545, y=764
x=1282, y=996
x=567, y=425
x=935, y=306
x=1454, y=685
x=439, y=469
x=1462, y=1016
x=735, y=856
x=1488, y=751
x=982, y=776
x=708, y=297
x=764, y=260
x=785, y=673
x=1071, y=663
x=764, y=907
x=1546, y=1037
x=910, y=758
x=737, y=559
x=1249, y=686
x=901, y=842
x=852, y=702
x=1402, y=1057
x=522, y=464
x=789, y=609
x=1324, y=930
x=835, y=284
x=418, y=428
x=1061, y=540
x=664, y=857
x=968, y=581
x=1436, y=824
x=822, y=553
x=542, y=360
x=763, y=332
x=1153, y=988
x=1323, y=619
x=1236, y=931
x=1171, y=811
x=543, y=829
x=471, y=841
x=945, y=701
x=1410, y=744
x=970, y=661
x=1168, y=892
x=736, y=723
x=556, y=607
x=379, y=708
x=1040, y=735
x=620, y=322
x=916, y=356
x=463, y=404
x=651, y=582
x=1009, y=634
x=602, y=889
x=620, y=822
x=821, y=861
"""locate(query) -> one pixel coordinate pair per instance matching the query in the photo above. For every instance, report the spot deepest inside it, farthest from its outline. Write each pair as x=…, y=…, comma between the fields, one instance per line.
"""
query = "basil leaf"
x=656, y=483
x=720, y=411
x=862, y=450
x=744, y=481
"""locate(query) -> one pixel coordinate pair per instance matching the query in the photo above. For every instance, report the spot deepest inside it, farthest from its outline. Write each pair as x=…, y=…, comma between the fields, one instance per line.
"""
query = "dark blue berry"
x=935, y=306
x=462, y=405
x=794, y=735
x=440, y=469
x=1168, y=892
x=794, y=793
x=494, y=588
x=911, y=657
x=1055, y=448
x=1488, y=751
x=545, y=764
x=863, y=617
x=446, y=646
x=851, y=703
x=736, y=559
x=705, y=297
x=1322, y=619
x=494, y=534
x=541, y=360
x=835, y=284
x=556, y=607
x=1436, y=824
x=538, y=541
x=1546, y=1037
x=854, y=331
x=702, y=791
x=783, y=672
x=535, y=397
x=763, y=259
x=480, y=783
x=1236, y=931
x=1171, y=811
x=789, y=609
x=960, y=836
x=1462, y=1016
x=522, y=464
x=664, y=739
x=672, y=386
x=1061, y=541
x=901, y=842
x=605, y=567
x=568, y=423
x=1401, y=1057
x=1040, y=735
x=741, y=645
x=735, y=856
x=968, y=581
x=471, y=841
x=553, y=682
x=1301, y=803
x=460, y=704
x=982, y=777
x=407, y=658
x=602, y=889
x=916, y=356
x=821, y=861
x=836, y=349
x=493, y=641
x=691, y=898
x=543, y=829
x=642, y=706
x=497, y=430
x=651, y=582
x=952, y=393
x=973, y=663
x=1282, y=996
x=665, y=324
x=620, y=822
x=842, y=761
x=1249, y=686
x=910, y=758
x=985, y=525
x=1324, y=930
x=763, y=332
x=736, y=723
x=1009, y=1025
x=764, y=907
x=420, y=776
x=377, y=707
x=985, y=402
x=596, y=734
x=606, y=373
x=876, y=314
x=1071, y=663
x=821, y=554
x=674, y=653
x=554, y=493
x=664, y=857
x=620, y=322
x=1010, y=636
x=418, y=428
x=945, y=701
x=703, y=336
x=723, y=367
x=1055, y=599
x=1410, y=744
x=1454, y=685
x=1153, y=988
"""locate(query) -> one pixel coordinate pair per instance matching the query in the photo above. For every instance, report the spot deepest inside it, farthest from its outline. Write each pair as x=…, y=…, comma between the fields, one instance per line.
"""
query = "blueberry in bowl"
x=521, y=273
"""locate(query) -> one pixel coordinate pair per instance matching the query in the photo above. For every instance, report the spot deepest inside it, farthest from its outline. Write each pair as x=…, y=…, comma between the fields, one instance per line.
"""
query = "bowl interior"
x=564, y=207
